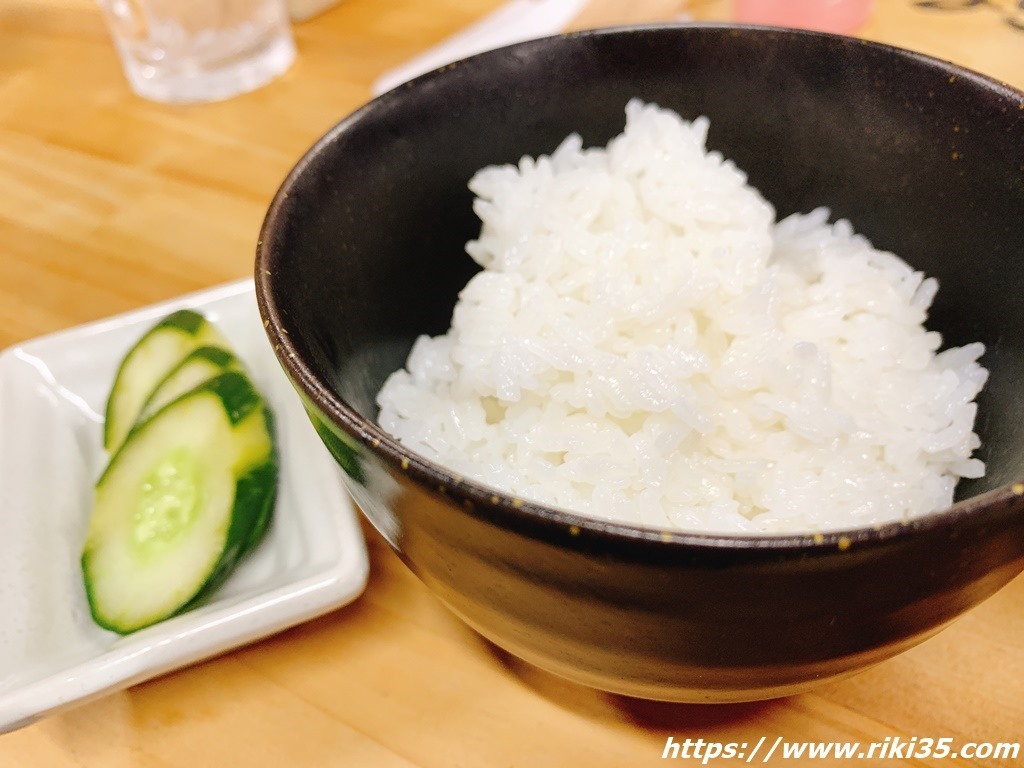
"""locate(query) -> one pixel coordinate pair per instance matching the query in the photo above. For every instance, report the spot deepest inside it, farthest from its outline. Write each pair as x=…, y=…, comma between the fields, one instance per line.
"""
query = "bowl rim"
x=508, y=510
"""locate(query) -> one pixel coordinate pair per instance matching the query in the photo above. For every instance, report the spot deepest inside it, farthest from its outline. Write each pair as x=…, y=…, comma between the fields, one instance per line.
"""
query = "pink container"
x=841, y=16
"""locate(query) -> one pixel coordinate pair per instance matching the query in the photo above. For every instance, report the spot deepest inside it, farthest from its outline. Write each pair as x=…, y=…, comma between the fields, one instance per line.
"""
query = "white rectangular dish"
x=52, y=396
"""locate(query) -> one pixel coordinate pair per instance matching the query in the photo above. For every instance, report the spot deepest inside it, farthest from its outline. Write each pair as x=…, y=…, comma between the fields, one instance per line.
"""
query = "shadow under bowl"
x=362, y=251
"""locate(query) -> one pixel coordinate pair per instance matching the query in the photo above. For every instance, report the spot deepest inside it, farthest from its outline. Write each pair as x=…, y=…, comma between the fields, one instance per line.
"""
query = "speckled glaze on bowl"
x=362, y=250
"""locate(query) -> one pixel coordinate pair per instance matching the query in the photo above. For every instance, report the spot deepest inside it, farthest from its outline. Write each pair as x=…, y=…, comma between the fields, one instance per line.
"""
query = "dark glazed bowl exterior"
x=362, y=250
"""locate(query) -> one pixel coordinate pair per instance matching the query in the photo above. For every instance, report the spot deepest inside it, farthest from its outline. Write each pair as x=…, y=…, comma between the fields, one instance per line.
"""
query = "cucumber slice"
x=198, y=366
x=188, y=493
x=148, y=362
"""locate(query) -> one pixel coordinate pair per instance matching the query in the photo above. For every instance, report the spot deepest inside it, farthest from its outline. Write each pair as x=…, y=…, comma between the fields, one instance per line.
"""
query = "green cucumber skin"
x=254, y=497
x=188, y=320
x=237, y=394
x=221, y=359
x=185, y=321
x=254, y=485
x=216, y=355
x=257, y=492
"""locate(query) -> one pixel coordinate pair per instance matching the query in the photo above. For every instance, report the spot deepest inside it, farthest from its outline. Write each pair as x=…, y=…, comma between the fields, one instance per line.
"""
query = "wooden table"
x=108, y=203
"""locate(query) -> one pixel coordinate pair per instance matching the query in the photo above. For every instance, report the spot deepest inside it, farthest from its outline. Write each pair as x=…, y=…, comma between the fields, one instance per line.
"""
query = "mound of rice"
x=646, y=344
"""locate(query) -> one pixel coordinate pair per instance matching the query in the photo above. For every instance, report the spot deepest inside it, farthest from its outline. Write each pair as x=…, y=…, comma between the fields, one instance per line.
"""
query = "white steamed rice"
x=646, y=344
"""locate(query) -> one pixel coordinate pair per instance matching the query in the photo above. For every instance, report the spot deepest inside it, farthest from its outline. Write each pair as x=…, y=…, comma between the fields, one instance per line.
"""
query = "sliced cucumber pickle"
x=196, y=367
x=188, y=493
x=162, y=348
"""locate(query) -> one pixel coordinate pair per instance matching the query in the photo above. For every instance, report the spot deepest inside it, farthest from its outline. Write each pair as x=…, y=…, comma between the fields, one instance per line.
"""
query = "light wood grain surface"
x=108, y=203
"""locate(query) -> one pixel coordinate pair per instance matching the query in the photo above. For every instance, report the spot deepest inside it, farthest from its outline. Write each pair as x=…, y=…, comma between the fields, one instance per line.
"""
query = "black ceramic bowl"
x=362, y=250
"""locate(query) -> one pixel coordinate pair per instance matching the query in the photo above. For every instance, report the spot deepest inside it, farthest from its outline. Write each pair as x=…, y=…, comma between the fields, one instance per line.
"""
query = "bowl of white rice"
x=679, y=361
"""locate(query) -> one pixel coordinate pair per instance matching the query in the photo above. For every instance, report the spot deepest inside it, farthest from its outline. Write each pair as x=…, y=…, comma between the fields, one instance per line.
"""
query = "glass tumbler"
x=199, y=50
